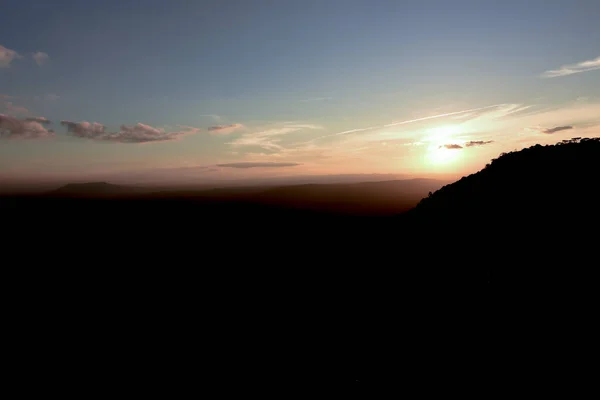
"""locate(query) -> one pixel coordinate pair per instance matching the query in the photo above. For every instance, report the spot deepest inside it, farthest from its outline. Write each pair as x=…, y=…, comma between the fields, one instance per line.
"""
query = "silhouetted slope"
x=526, y=225
x=540, y=179
x=527, y=216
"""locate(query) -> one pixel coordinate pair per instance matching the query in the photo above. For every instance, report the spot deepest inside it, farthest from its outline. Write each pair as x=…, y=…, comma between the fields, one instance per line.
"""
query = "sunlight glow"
x=438, y=137
x=443, y=133
x=441, y=156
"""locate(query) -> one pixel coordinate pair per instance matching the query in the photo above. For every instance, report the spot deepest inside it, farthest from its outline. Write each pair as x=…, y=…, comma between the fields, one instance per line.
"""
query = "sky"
x=195, y=91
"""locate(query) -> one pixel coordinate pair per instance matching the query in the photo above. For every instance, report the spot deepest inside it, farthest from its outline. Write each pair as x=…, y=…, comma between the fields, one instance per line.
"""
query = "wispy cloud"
x=356, y=130
x=549, y=131
x=269, y=138
x=472, y=111
x=571, y=69
x=13, y=128
x=380, y=148
x=224, y=129
x=313, y=99
x=502, y=125
x=474, y=143
x=410, y=121
x=13, y=109
x=138, y=133
x=7, y=56
x=191, y=129
x=85, y=129
x=250, y=141
x=259, y=165
x=47, y=97
x=557, y=129
x=40, y=58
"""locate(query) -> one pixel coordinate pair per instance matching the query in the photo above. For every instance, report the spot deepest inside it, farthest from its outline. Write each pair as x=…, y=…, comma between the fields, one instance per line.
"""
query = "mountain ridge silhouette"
x=90, y=189
x=526, y=216
x=540, y=175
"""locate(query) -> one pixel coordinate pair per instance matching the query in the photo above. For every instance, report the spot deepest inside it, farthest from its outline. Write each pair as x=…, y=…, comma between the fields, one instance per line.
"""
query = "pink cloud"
x=138, y=133
x=190, y=129
x=40, y=58
x=85, y=129
x=40, y=120
x=7, y=56
x=15, y=109
x=13, y=128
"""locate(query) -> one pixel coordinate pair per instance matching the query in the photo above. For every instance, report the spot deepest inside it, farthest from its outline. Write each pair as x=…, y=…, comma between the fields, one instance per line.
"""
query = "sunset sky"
x=169, y=91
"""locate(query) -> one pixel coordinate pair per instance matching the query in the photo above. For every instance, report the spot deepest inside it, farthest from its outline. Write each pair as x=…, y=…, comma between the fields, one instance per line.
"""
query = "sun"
x=439, y=138
x=440, y=156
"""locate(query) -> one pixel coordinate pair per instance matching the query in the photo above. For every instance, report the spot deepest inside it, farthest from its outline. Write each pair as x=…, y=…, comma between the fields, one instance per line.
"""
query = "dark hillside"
x=561, y=178
x=530, y=214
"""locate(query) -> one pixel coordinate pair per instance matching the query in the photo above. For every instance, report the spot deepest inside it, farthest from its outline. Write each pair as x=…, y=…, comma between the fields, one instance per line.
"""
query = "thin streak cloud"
x=224, y=129
x=571, y=69
x=356, y=130
x=316, y=99
x=557, y=129
x=259, y=165
x=474, y=143
x=441, y=115
x=411, y=121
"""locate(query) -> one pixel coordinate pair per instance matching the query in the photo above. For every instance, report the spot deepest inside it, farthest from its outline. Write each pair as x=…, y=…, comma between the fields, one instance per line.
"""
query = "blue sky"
x=281, y=79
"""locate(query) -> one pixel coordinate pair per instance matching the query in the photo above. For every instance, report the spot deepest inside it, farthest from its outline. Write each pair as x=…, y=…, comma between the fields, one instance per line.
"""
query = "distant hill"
x=364, y=198
x=93, y=189
x=369, y=198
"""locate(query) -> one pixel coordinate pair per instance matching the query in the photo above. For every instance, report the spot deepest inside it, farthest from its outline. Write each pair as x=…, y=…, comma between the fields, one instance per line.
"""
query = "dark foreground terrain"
x=170, y=292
